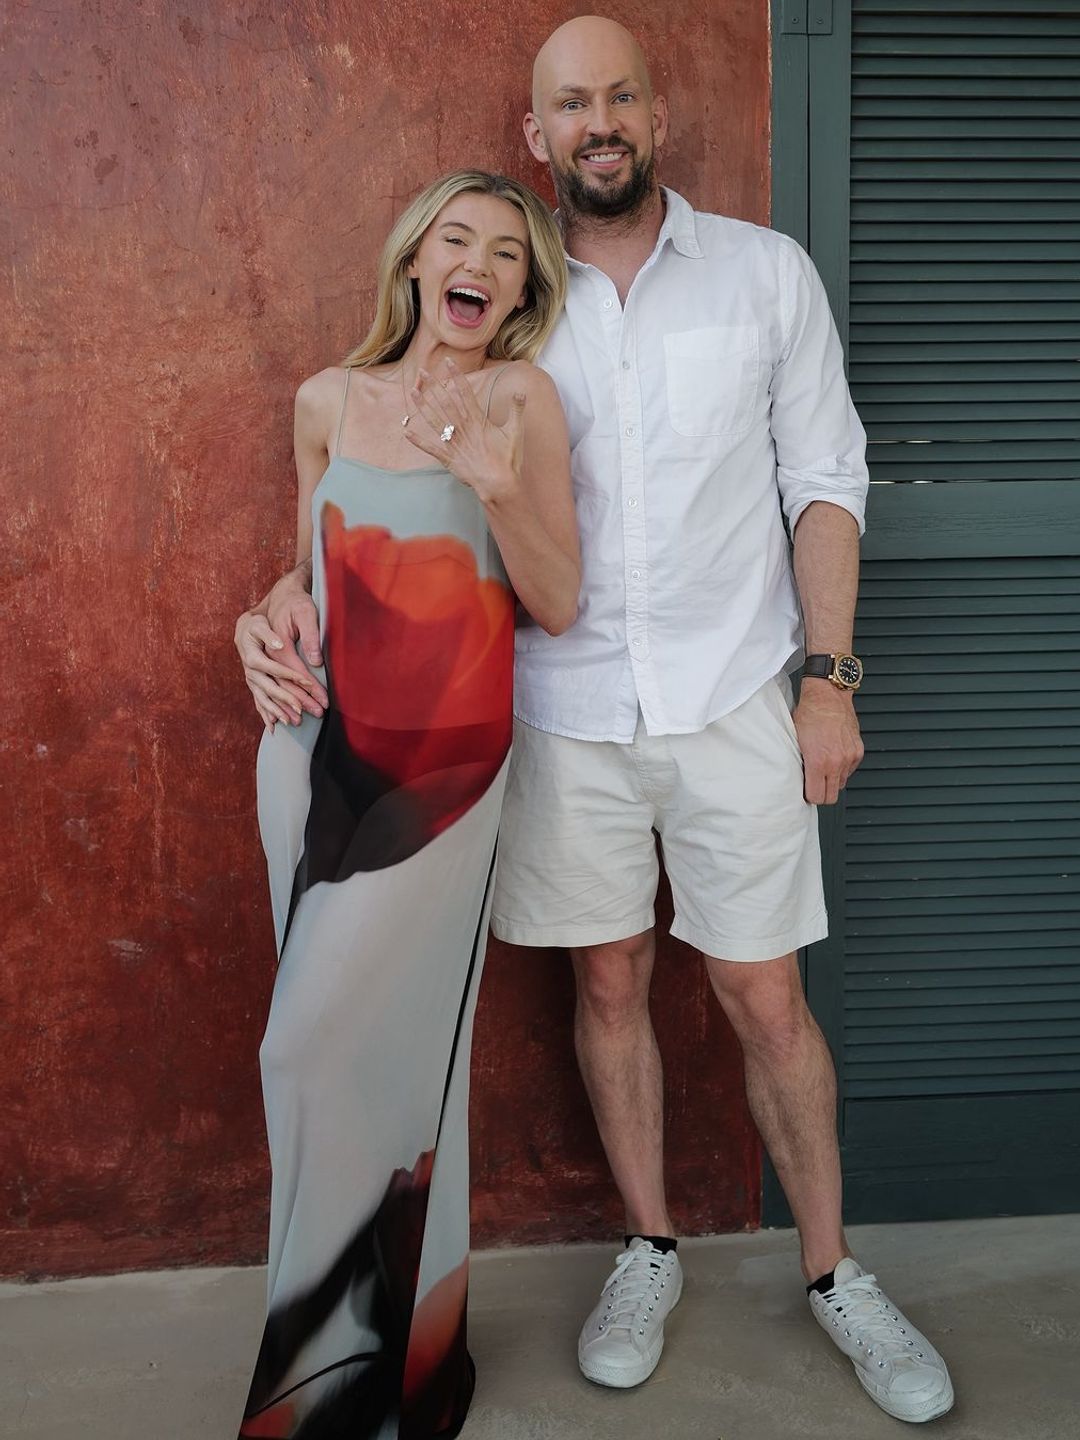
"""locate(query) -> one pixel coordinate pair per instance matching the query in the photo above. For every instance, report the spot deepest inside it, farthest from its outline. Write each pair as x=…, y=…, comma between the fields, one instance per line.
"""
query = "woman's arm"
x=282, y=686
x=520, y=470
x=314, y=415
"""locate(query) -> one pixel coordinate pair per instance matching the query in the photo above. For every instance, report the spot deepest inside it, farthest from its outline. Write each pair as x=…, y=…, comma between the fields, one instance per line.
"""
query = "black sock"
x=664, y=1243
x=823, y=1285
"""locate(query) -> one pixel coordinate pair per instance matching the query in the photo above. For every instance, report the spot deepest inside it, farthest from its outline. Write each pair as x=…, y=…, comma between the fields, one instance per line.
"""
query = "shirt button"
x=629, y=430
x=632, y=503
x=637, y=644
x=607, y=304
x=635, y=574
x=626, y=364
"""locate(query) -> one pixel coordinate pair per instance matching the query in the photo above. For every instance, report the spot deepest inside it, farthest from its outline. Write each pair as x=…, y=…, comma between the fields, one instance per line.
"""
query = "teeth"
x=605, y=159
x=467, y=290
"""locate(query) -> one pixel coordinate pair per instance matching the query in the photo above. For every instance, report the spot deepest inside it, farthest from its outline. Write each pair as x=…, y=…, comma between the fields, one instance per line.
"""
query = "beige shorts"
x=577, y=849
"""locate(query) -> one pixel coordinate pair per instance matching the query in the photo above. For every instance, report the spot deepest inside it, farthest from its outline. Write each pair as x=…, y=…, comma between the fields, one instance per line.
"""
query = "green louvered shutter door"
x=965, y=238
x=955, y=861
x=950, y=987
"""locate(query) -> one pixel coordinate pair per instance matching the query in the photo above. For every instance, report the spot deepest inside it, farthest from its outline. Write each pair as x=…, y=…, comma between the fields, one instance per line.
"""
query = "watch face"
x=849, y=670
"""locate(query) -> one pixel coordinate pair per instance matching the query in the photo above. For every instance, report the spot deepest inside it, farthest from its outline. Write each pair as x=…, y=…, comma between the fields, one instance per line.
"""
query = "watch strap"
x=818, y=667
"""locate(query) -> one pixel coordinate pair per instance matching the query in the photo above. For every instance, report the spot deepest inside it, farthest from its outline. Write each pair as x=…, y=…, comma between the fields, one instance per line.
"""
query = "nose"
x=476, y=264
x=604, y=120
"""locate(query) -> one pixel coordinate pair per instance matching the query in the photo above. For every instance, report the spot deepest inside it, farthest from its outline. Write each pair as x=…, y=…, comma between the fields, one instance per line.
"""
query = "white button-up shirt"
x=701, y=414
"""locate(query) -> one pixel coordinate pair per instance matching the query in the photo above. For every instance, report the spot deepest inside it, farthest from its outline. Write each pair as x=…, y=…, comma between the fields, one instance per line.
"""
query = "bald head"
x=596, y=124
x=585, y=52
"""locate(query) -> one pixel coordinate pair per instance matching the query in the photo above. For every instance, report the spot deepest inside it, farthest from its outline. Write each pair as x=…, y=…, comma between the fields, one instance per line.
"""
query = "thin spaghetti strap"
x=491, y=387
x=341, y=416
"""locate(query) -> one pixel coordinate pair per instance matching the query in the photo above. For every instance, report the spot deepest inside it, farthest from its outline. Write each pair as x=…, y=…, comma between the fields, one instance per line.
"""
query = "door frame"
x=811, y=99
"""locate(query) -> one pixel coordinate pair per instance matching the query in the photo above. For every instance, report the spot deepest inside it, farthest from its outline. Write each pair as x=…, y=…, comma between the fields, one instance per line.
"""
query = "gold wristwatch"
x=843, y=671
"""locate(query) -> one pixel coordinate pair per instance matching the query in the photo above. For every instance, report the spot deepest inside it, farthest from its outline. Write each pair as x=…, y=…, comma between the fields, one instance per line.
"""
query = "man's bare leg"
x=791, y=1089
x=620, y=1064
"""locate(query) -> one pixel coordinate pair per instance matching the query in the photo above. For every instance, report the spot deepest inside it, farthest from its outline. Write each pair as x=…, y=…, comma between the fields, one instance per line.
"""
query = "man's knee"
x=764, y=1001
x=613, y=979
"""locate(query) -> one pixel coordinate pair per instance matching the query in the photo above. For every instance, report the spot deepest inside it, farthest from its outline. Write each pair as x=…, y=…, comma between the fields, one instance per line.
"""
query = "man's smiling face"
x=595, y=119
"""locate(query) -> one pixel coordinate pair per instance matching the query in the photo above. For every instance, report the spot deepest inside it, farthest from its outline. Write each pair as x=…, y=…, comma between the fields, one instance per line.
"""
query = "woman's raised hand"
x=479, y=453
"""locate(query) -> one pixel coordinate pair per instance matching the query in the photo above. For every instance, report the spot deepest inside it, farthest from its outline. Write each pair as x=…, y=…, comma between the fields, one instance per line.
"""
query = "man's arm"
x=821, y=475
x=827, y=576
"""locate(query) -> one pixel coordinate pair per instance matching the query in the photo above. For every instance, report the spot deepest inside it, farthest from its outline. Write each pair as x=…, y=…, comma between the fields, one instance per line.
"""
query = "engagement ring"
x=447, y=433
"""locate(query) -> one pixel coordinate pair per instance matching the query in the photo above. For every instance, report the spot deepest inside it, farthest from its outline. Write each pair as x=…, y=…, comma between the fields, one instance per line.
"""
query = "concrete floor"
x=167, y=1356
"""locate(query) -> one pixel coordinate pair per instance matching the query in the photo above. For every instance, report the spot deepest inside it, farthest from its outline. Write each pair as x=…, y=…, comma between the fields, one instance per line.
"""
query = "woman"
x=379, y=819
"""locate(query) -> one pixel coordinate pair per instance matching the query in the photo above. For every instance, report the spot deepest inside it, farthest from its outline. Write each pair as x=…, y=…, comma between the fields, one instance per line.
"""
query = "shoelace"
x=632, y=1289
x=863, y=1311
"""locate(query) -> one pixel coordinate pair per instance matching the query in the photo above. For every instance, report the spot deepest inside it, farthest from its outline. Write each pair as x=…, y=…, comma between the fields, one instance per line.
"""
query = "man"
x=703, y=385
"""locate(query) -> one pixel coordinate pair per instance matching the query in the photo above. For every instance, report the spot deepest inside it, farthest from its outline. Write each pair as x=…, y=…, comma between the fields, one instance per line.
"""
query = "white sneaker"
x=897, y=1366
x=624, y=1336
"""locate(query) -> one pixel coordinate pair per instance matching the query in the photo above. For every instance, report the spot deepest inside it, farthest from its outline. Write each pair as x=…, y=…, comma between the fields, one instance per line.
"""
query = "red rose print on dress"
x=399, y=761
x=418, y=610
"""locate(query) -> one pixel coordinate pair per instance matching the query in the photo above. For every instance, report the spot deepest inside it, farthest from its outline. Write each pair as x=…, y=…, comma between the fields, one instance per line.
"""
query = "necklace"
x=400, y=371
x=389, y=380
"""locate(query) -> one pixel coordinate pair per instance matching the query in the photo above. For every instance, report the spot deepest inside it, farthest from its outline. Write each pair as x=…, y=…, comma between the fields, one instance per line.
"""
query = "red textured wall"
x=194, y=195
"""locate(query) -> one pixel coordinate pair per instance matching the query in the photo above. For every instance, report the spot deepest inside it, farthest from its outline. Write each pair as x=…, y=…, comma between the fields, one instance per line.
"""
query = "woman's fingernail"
x=276, y=645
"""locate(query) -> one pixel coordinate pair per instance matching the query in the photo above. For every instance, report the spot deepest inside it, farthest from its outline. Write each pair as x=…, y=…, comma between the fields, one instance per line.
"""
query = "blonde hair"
x=397, y=308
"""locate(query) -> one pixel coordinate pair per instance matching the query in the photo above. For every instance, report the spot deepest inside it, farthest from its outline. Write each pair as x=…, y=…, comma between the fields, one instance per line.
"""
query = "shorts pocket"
x=779, y=698
x=712, y=379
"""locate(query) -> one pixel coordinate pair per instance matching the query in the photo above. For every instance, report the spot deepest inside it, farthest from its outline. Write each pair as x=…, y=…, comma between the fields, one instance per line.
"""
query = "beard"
x=607, y=199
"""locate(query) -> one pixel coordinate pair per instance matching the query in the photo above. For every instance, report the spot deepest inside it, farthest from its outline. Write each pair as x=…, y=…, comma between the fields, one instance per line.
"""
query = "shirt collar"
x=679, y=227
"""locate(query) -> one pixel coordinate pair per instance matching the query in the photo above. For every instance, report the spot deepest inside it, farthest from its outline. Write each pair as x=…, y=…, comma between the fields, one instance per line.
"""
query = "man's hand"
x=829, y=739
x=279, y=680
x=292, y=615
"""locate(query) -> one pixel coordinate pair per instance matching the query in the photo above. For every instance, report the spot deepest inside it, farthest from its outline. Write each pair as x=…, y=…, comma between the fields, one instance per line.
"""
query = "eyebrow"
x=584, y=89
x=460, y=225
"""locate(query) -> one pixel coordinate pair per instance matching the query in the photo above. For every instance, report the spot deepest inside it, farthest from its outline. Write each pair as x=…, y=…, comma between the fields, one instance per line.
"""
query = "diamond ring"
x=447, y=433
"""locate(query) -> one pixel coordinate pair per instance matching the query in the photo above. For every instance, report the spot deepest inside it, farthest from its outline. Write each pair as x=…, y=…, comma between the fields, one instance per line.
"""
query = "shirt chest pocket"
x=712, y=379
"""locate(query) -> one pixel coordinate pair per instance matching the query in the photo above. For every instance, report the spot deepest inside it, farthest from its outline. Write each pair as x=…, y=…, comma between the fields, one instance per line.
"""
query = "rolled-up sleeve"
x=819, y=439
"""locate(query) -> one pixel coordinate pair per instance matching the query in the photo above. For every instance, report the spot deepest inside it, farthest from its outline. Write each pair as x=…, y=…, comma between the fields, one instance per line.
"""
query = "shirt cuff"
x=801, y=488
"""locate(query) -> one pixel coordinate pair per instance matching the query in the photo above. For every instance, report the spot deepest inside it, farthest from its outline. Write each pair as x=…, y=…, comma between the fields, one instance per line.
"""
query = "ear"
x=521, y=301
x=534, y=138
x=659, y=120
x=412, y=272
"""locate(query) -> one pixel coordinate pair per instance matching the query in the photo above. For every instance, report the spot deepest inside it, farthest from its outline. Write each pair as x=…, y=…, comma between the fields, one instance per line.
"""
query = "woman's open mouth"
x=466, y=305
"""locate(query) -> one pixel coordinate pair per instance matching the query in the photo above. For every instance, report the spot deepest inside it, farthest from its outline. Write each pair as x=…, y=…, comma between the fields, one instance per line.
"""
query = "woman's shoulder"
x=315, y=393
x=521, y=370
x=519, y=377
x=525, y=378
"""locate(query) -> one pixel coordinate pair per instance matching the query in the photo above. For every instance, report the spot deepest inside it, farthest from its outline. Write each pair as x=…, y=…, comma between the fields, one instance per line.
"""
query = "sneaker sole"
x=625, y=1377
x=930, y=1409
